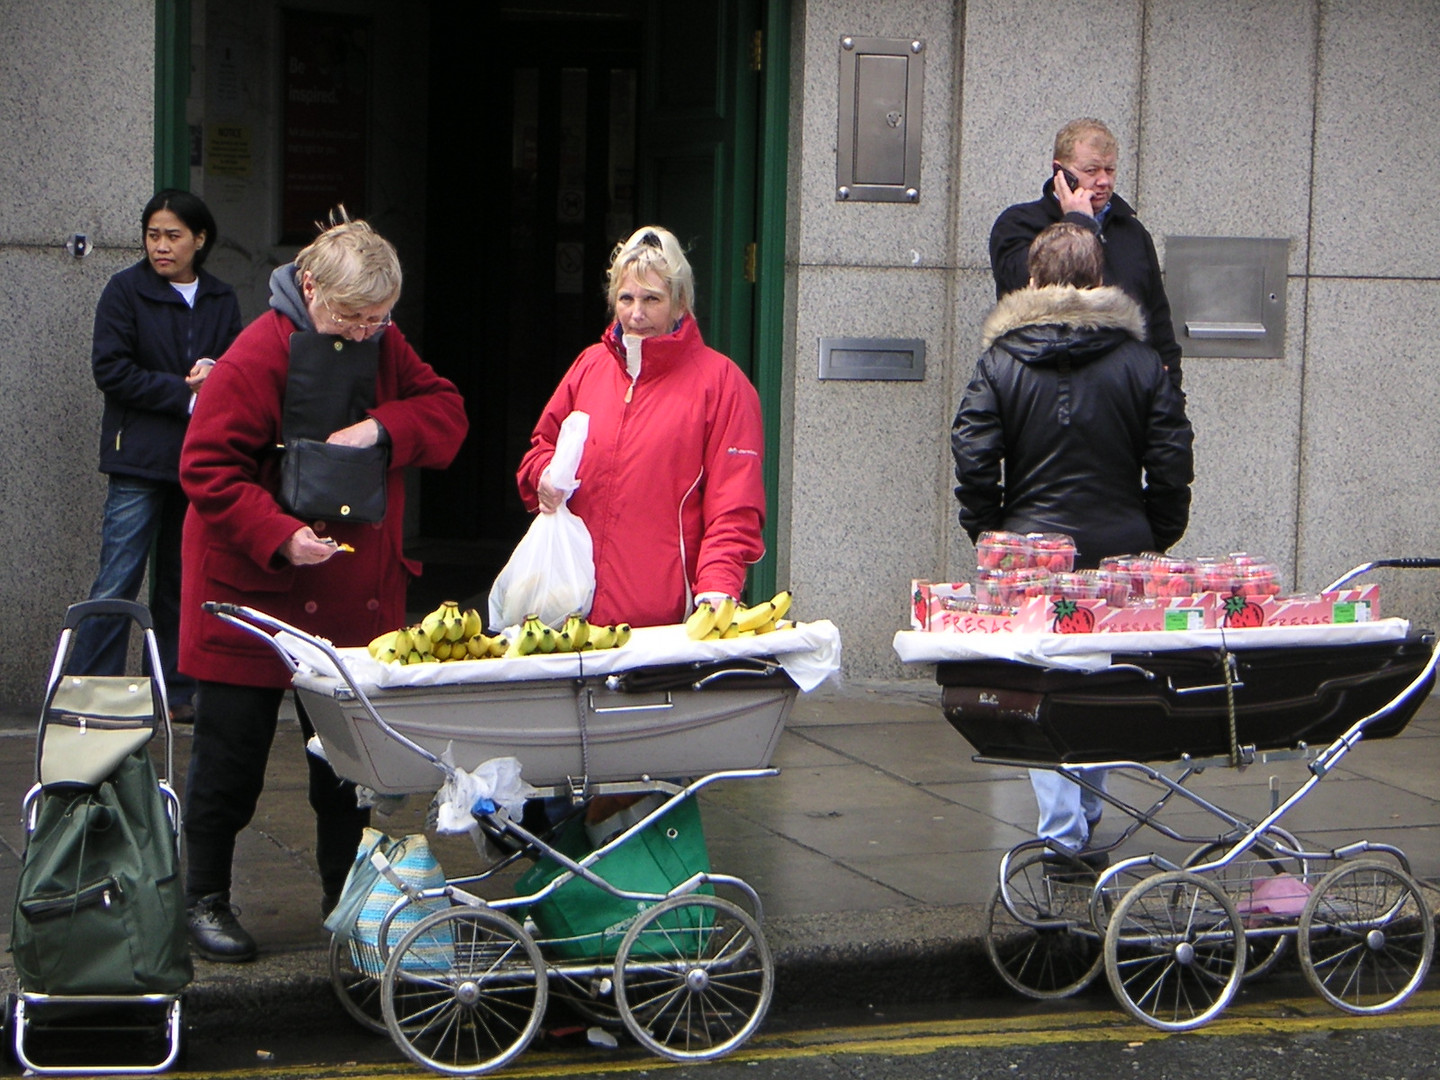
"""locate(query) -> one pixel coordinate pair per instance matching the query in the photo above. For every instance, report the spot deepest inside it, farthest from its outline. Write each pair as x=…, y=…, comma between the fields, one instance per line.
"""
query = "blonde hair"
x=653, y=254
x=352, y=265
x=1084, y=129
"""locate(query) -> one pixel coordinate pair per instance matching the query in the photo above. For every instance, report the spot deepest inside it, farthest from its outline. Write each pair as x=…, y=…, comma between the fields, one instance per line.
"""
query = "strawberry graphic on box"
x=1241, y=613
x=1071, y=618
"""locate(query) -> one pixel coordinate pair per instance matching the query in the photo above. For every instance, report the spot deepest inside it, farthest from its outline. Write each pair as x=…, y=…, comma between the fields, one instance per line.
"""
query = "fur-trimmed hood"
x=1066, y=307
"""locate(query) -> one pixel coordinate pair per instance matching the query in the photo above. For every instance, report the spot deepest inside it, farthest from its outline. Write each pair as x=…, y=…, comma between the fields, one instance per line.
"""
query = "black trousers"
x=234, y=730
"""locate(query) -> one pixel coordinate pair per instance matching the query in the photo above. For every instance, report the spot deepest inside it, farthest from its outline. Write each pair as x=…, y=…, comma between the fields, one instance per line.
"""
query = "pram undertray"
x=1164, y=697
x=606, y=716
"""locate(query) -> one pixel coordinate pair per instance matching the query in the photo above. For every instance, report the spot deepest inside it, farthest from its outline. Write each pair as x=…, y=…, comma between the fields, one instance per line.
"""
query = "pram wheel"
x=1175, y=951
x=1044, y=948
x=1262, y=950
x=464, y=991
x=1366, y=937
x=693, y=977
x=358, y=990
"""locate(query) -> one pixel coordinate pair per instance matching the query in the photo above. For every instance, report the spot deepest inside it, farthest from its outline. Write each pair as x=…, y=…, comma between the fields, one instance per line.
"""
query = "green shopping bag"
x=583, y=921
x=100, y=906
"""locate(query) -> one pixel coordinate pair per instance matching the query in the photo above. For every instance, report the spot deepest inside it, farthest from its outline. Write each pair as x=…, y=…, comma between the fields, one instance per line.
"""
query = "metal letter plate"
x=885, y=359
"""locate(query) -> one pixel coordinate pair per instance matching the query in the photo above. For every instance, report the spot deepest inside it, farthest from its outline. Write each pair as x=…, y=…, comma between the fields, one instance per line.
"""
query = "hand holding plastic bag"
x=551, y=572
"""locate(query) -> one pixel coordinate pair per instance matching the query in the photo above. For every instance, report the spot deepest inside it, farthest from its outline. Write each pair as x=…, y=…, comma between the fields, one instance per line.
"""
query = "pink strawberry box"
x=951, y=607
x=1062, y=616
x=1326, y=609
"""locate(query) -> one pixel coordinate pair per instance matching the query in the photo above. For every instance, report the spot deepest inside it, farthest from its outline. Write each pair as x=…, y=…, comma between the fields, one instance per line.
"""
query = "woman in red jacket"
x=671, y=486
x=339, y=580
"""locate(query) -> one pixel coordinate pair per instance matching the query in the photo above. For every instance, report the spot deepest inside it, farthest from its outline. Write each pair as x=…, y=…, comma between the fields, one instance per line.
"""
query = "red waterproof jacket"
x=235, y=528
x=671, y=485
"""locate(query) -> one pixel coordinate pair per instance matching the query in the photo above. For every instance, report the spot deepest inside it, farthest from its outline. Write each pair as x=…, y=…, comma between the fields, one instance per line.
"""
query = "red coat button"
x=372, y=604
x=320, y=527
x=311, y=607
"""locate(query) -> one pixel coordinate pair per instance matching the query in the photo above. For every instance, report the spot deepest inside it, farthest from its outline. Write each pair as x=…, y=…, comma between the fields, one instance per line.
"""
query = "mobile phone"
x=1070, y=178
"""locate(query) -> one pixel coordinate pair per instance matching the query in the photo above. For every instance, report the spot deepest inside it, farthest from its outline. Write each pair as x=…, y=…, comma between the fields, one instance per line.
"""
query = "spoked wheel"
x=464, y=991
x=355, y=977
x=1366, y=937
x=1050, y=950
x=1174, y=951
x=693, y=977
x=1263, y=950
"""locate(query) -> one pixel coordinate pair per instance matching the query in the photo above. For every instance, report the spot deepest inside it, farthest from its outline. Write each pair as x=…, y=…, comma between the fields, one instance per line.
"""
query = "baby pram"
x=99, y=935
x=1176, y=933
x=463, y=988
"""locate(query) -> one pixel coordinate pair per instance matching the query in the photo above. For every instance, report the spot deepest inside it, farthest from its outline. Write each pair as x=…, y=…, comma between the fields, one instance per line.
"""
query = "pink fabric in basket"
x=1279, y=894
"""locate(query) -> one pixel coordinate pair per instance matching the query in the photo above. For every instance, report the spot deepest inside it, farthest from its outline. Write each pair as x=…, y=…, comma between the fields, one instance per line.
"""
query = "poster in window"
x=324, y=139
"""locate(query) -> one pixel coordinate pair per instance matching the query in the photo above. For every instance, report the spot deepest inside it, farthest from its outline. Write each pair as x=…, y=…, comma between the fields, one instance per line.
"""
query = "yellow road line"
x=1289, y=1016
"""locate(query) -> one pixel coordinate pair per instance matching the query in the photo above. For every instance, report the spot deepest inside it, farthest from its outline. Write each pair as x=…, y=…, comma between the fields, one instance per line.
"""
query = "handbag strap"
x=330, y=384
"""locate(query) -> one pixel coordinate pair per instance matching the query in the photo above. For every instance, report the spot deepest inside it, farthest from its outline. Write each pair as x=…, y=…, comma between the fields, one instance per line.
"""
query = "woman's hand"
x=304, y=548
x=362, y=434
x=198, y=373
x=551, y=498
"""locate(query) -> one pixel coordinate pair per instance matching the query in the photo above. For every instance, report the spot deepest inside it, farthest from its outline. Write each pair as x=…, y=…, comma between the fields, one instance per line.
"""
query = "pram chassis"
x=28, y=1008
x=1175, y=939
x=691, y=979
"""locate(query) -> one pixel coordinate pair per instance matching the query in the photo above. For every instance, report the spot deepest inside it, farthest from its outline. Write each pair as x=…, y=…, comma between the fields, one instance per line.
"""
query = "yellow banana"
x=622, y=634
x=420, y=640
x=752, y=618
x=388, y=655
x=563, y=641
x=434, y=623
x=765, y=627
x=474, y=625
x=384, y=641
x=725, y=614
x=548, y=639
x=440, y=649
x=781, y=602
x=477, y=645
x=403, y=644
x=732, y=629
x=524, y=644
x=601, y=637
x=415, y=657
x=784, y=624
x=498, y=645
x=454, y=621
x=701, y=620
x=578, y=629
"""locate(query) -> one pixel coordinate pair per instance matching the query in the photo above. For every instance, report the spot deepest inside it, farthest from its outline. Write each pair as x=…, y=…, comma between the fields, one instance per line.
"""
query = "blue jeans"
x=140, y=516
x=1067, y=809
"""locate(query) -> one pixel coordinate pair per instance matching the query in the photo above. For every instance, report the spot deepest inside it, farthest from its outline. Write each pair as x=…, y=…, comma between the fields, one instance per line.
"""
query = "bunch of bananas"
x=731, y=620
x=447, y=633
x=575, y=635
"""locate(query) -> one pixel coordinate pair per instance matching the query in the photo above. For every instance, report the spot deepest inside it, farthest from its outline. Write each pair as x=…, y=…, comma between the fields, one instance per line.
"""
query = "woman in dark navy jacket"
x=158, y=327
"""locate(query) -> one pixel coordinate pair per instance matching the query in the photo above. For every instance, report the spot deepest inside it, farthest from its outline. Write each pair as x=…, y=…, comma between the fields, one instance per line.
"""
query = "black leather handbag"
x=331, y=385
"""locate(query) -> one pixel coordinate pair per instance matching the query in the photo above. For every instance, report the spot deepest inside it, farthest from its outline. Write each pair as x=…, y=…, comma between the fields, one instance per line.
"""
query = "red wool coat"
x=235, y=528
x=671, y=484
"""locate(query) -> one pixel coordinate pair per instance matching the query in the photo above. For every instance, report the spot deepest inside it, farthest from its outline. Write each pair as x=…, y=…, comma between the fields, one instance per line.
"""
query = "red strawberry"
x=1241, y=613
x=922, y=608
x=1070, y=618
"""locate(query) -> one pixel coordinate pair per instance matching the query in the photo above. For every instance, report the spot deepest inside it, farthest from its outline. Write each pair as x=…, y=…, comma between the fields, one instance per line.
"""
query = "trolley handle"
x=257, y=622
x=1379, y=564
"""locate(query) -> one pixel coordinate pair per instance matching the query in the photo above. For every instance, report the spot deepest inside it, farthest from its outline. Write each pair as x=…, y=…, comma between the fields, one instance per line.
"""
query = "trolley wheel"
x=1044, y=948
x=693, y=977
x=1175, y=951
x=1262, y=950
x=359, y=992
x=1366, y=937
x=464, y=991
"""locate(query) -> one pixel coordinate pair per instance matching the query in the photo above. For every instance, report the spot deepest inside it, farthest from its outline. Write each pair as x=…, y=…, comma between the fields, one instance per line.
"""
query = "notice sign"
x=325, y=97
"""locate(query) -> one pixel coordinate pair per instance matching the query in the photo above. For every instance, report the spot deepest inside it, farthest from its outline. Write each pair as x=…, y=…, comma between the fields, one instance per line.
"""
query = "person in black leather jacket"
x=1070, y=424
x=1087, y=152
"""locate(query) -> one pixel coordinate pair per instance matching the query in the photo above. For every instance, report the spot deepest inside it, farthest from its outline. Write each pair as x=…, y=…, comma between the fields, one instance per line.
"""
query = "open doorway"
x=555, y=129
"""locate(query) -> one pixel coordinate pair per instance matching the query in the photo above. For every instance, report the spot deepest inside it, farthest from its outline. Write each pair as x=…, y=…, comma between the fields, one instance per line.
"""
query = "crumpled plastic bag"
x=551, y=572
x=493, y=785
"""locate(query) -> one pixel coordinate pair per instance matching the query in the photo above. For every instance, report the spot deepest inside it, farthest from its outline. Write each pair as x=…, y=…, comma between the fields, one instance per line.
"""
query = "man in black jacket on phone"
x=1081, y=189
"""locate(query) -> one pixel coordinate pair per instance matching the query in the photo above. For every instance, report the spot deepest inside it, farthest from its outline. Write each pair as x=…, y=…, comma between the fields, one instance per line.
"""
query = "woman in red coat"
x=242, y=547
x=671, y=485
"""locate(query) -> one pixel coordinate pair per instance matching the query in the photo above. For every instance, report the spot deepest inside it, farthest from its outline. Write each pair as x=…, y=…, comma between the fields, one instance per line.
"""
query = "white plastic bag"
x=492, y=785
x=551, y=572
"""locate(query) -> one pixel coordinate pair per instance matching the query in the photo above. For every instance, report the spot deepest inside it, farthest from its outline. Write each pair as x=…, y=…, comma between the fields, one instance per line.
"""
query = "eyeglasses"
x=346, y=323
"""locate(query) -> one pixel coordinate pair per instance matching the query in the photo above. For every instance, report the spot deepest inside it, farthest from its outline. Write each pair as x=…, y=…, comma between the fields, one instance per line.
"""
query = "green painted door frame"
x=172, y=88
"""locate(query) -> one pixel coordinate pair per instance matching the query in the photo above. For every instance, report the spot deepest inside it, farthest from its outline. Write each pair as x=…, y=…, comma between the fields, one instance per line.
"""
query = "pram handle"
x=1379, y=564
x=75, y=614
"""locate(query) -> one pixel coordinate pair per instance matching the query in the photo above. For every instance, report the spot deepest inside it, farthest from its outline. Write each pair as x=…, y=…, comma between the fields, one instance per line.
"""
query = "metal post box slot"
x=1227, y=294
x=882, y=83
